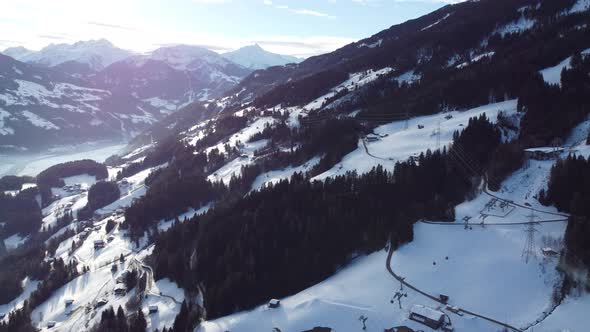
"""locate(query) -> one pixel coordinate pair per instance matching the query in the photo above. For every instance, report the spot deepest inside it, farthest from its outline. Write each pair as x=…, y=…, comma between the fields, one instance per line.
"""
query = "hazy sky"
x=297, y=27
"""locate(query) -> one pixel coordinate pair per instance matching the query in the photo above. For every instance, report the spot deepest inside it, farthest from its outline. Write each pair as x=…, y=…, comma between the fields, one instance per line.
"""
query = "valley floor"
x=33, y=164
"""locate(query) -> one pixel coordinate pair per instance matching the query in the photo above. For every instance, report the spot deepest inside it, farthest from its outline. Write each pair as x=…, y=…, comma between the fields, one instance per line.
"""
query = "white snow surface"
x=580, y=6
x=4, y=129
x=354, y=81
x=95, y=53
x=14, y=241
x=481, y=269
x=552, y=75
x=255, y=57
x=28, y=287
x=38, y=121
x=282, y=174
x=398, y=144
x=100, y=282
x=518, y=26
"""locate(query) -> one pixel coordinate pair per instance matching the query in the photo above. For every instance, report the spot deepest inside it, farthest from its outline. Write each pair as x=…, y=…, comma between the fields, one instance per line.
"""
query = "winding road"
x=436, y=299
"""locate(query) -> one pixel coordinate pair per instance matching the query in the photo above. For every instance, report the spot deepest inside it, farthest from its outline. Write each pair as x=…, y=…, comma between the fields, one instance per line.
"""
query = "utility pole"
x=438, y=137
x=529, y=245
x=407, y=122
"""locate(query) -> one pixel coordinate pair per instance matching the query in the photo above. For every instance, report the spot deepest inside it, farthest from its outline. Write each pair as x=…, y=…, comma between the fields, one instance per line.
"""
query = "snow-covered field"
x=552, y=75
x=397, y=143
x=28, y=287
x=14, y=241
x=34, y=164
x=282, y=174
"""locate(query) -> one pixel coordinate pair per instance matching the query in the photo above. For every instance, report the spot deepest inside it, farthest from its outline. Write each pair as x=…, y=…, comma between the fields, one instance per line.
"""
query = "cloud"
x=310, y=12
x=302, y=46
x=301, y=11
x=112, y=26
x=211, y=2
x=55, y=37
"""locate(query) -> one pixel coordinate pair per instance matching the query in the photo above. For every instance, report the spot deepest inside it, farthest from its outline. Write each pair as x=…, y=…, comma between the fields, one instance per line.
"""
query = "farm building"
x=543, y=153
x=274, y=303
x=547, y=251
x=120, y=290
x=319, y=329
x=153, y=309
x=68, y=302
x=427, y=316
x=373, y=138
x=101, y=303
x=50, y=324
x=399, y=329
x=99, y=244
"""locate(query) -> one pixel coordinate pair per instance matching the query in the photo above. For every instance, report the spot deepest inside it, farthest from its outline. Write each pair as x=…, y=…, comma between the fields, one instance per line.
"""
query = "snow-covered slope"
x=395, y=142
x=18, y=52
x=479, y=265
x=255, y=57
x=172, y=77
x=41, y=107
x=95, y=53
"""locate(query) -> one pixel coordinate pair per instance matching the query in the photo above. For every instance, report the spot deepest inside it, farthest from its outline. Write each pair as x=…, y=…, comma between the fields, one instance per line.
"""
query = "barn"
x=427, y=316
x=543, y=153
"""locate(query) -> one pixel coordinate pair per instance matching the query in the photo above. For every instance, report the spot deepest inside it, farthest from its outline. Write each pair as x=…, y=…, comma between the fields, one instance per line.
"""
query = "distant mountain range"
x=255, y=57
x=97, y=54
x=92, y=90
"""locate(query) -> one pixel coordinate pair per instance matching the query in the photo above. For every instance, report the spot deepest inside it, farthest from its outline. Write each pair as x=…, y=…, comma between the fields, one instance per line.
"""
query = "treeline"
x=13, y=182
x=53, y=176
x=569, y=190
x=55, y=275
x=183, y=184
x=562, y=106
x=119, y=322
x=262, y=246
x=100, y=195
x=302, y=91
x=20, y=214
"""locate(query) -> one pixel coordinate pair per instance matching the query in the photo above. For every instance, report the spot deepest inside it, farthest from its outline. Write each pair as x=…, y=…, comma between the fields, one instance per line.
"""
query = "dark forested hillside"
x=263, y=245
x=569, y=190
x=53, y=176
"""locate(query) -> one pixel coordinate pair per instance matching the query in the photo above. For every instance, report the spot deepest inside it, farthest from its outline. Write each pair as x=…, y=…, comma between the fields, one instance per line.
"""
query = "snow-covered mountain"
x=171, y=77
x=18, y=52
x=75, y=99
x=95, y=53
x=42, y=107
x=255, y=57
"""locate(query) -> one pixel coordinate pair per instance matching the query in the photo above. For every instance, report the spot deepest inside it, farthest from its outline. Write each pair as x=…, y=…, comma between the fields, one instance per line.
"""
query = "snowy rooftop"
x=427, y=312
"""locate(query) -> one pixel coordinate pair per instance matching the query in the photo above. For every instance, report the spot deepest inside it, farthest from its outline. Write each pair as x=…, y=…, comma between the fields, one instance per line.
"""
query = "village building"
x=427, y=316
x=120, y=290
x=274, y=303
x=399, y=329
x=543, y=153
x=98, y=244
x=153, y=309
x=548, y=251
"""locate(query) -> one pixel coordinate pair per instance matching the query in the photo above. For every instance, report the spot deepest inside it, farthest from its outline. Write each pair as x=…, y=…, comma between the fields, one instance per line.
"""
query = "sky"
x=296, y=27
